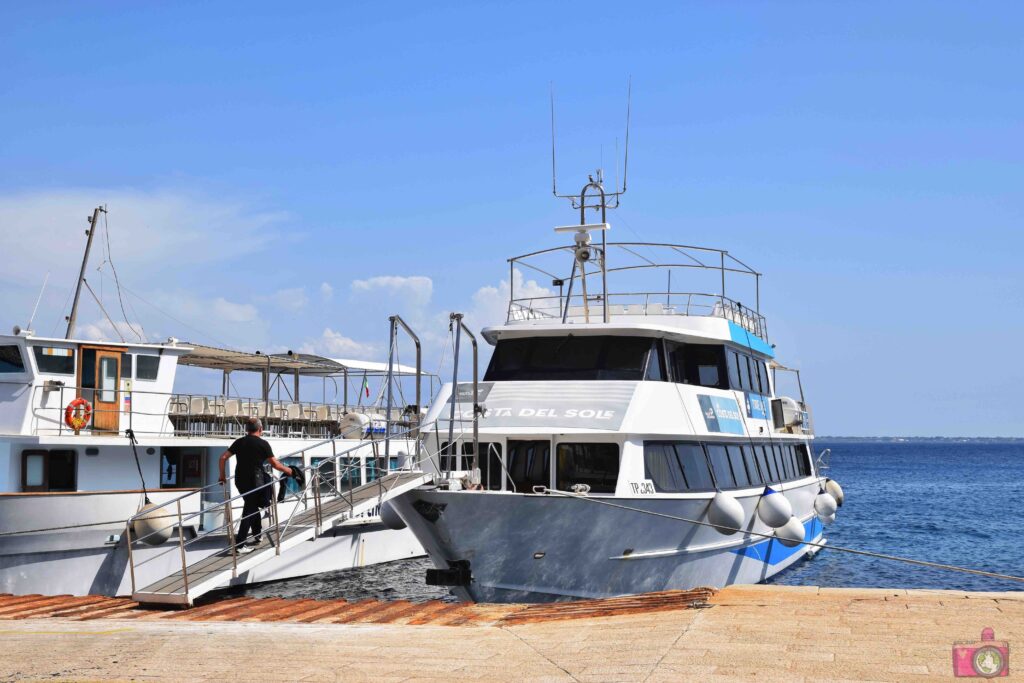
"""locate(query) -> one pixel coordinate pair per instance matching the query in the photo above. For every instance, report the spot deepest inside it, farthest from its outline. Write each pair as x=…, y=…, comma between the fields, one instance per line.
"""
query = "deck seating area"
x=219, y=416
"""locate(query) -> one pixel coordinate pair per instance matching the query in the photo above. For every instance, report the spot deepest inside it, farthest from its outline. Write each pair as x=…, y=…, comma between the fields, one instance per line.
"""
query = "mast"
x=91, y=231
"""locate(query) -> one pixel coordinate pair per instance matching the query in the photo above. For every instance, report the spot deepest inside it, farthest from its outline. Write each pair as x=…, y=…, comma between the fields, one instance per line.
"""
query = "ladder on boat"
x=184, y=586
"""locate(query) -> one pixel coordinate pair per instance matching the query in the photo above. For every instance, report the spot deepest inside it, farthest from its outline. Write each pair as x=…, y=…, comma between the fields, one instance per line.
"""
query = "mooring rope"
x=853, y=551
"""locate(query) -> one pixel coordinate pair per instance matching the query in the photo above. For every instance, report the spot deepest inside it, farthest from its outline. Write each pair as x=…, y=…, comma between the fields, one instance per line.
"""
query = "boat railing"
x=217, y=518
x=579, y=308
x=614, y=279
x=163, y=414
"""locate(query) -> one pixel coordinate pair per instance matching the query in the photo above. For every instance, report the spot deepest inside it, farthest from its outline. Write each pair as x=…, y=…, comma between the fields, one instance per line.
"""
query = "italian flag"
x=366, y=387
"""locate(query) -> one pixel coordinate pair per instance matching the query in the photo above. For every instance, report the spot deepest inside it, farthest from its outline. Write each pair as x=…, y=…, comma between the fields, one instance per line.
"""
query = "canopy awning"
x=213, y=358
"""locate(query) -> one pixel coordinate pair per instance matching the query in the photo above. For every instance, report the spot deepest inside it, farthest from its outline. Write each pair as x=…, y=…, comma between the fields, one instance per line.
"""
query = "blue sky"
x=284, y=177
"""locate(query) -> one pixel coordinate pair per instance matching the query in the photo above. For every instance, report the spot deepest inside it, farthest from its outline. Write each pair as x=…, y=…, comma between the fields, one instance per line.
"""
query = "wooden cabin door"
x=100, y=384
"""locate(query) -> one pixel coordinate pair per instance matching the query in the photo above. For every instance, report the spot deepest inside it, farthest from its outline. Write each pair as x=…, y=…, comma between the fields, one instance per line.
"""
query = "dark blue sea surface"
x=955, y=503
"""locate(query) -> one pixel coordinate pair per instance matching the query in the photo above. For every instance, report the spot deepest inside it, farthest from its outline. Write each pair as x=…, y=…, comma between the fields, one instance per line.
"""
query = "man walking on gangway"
x=251, y=451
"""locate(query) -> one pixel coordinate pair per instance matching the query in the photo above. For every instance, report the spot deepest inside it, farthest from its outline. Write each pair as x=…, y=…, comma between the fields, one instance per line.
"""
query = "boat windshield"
x=571, y=358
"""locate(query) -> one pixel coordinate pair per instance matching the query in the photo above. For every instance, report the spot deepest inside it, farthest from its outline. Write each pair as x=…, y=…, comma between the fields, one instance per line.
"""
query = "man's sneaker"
x=246, y=549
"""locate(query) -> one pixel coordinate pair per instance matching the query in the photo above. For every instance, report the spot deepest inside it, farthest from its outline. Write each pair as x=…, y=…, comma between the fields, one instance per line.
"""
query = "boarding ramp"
x=300, y=517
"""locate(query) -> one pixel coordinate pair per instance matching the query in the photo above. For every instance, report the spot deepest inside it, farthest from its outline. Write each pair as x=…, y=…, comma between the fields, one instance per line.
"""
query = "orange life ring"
x=77, y=414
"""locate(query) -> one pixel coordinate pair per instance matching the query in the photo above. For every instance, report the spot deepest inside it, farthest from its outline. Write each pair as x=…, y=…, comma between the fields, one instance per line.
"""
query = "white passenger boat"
x=630, y=436
x=72, y=483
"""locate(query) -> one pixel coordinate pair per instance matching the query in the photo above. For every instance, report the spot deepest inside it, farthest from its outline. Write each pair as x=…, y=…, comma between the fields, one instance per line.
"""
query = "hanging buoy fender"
x=825, y=505
x=154, y=525
x=790, y=534
x=774, y=508
x=835, y=490
x=77, y=414
x=390, y=517
x=726, y=513
x=828, y=520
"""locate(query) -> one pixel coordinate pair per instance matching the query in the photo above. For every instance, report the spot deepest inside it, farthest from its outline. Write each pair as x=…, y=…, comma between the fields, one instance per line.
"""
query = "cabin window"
x=326, y=467
x=10, y=359
x=675, y=467
x=528, y=465
x=569, y=358
x=147, y=368
x=593, y=464
x=490, y=466
x=126, y=366
x=738, y=461
x=181, y=468
x=719, y=459
x=662, y=468
x=700, y=364
x=48, y=470
x=350, y=477
x=735, y=380
x=54, y=360
x=804, y=460
x=655, y=364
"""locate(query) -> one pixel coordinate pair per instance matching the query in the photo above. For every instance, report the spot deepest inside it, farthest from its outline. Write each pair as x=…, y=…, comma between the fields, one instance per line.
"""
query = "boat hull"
x=542, y=548
x=86, y=564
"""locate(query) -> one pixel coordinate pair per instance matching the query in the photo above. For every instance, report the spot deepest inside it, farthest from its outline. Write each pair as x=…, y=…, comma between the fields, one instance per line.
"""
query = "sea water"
x=950, y=502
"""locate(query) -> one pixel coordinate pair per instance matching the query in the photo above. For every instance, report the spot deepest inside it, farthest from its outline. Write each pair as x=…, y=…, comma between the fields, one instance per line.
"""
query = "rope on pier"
x=853, y=551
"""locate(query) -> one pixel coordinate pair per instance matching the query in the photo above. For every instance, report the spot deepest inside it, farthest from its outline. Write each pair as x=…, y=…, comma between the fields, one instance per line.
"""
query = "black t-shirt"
x=250, y=453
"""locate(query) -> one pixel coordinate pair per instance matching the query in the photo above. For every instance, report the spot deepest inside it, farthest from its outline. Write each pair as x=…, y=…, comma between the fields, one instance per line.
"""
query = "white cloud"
x=291, y=299
x=102, y=330
x=490, y=303
x=336, y=345
x=415, y=290
x=151, y=233
x=326, y=291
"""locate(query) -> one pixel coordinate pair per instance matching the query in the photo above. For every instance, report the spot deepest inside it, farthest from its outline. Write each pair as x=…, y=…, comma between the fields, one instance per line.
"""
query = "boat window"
x=695, y=466
x=766, y=463
x=739, y=466
x=735, y=380
x=328, y=472
x=10, y=359
x=490, y=466
x=655, y=363
x=719, y=459
x=126, y=366
x=48, y=470
x=349, y=468
x=528, y=464
x=569, y=358
x=147, y=368
x=54, y=360
x=662, y=468
x=701, y=364
x=762, y=375
x=593, y=464
x=181, y=468
x=804, y=460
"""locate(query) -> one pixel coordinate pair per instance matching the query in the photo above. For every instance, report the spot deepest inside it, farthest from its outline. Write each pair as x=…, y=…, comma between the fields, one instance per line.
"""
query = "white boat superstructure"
x=630, y=437
x=65, y=495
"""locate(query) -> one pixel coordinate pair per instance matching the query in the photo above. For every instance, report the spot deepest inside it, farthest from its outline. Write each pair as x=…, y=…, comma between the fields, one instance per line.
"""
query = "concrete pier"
x=768, y=632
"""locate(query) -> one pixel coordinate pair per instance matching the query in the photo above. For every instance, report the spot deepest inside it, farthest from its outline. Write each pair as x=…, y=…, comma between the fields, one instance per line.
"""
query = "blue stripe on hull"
x=773, y=551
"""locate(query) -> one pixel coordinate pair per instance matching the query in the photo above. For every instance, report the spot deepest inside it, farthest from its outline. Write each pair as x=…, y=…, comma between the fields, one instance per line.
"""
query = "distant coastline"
x=921, y=439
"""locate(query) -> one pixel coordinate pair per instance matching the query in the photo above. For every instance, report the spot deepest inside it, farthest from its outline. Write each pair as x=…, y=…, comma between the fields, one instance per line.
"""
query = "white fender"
x=389, y=516
x=790, y=534
x=835, y=490
x=726, y=513
x=774, y=509
x=825, y=505
x=828, y=520
x=155, y=525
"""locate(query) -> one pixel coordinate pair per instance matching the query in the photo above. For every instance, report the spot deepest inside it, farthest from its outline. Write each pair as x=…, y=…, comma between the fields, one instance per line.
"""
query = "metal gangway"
x=303, y=516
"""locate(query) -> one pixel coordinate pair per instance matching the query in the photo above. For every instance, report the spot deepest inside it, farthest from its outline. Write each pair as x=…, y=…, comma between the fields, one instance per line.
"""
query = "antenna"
x=40, y=298
x=619, y=191
x=554, y=181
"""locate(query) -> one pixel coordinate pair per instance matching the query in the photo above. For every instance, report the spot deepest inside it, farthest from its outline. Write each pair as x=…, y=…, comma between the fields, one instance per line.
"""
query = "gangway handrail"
x=313, y=484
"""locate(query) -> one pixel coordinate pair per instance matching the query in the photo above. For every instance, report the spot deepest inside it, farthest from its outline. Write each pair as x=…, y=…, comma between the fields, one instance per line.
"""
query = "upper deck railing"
x=628, y=270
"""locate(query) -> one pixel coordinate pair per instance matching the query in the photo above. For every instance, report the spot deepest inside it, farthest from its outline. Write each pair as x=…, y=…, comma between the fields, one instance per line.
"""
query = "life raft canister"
x=77, y=414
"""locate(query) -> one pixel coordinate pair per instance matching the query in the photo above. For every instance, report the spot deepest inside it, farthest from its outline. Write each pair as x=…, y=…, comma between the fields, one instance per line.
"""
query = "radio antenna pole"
x=91, y=232
x=554, y=181
x=35, y=309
